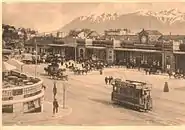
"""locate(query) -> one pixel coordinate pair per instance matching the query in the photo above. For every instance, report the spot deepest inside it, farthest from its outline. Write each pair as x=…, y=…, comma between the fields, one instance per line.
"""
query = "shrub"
x=182, y=47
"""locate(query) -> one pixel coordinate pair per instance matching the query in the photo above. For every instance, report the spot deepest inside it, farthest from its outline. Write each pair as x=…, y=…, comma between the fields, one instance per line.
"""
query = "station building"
x=147, y=45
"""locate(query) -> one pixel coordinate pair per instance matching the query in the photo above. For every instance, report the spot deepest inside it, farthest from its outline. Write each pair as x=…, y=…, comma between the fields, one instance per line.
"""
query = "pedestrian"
x=101, y=71
x=111, y=79
x=54, y=90
x=55, y=106
x=43, y=87
x=106, y=80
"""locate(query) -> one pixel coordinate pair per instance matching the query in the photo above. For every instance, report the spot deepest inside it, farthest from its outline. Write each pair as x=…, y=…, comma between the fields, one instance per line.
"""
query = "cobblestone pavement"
x=90, y=100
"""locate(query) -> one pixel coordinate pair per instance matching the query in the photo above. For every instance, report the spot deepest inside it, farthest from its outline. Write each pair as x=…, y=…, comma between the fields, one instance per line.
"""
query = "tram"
x=135, y=94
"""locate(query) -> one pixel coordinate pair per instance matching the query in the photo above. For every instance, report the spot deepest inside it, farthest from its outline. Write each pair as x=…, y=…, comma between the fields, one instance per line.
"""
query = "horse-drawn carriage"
x=30, y=59
x=79, y=69
x=176, y=75
x=55, y=71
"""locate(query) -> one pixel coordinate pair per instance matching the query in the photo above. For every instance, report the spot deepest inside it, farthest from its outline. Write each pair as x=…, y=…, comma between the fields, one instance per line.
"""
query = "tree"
x=182, y=47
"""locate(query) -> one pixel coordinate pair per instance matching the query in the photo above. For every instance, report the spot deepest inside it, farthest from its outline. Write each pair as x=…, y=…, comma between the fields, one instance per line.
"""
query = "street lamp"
x=64, y=95
x=35, y=58
x=75, y=48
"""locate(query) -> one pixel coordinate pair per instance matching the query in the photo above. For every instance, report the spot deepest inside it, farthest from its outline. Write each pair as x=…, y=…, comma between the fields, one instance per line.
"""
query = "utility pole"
x=75, y=48
x=35, y=58
x=64, y=95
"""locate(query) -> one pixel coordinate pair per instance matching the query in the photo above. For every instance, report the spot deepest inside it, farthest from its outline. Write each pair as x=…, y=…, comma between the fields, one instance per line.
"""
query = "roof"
x=132, y=38
x=75, y=33
x=40, y=41
x=172, y=37
x=90, y=34
x=151, y=32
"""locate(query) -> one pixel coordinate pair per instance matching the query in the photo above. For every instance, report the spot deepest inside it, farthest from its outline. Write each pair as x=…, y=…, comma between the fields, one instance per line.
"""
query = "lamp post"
x=64, y=95
x=35, y=58
x=75, y=49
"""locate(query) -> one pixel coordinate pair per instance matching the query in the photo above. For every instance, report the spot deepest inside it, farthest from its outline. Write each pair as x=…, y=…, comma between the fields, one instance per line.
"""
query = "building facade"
x=148, y=46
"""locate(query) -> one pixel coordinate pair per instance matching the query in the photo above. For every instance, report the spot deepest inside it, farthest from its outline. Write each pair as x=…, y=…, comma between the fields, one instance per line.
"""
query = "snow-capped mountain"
x=166, y=16
x=100, y=18
x=171, y=20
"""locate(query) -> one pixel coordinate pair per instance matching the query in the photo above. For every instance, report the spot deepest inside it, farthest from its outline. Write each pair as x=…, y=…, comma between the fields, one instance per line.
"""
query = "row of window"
x=32, y=94
x=10, y=93
x=33, y=49
x=33, y=89
x=6, y=93
x=32, y=104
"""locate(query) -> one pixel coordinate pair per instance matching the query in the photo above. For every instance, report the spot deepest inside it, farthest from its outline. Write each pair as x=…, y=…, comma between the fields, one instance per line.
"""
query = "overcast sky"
x=48, y=17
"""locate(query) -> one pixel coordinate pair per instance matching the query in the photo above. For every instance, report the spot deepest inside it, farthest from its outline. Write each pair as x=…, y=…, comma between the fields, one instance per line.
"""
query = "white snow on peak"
x=166, y=16
x=169, y=16
x=100, y=17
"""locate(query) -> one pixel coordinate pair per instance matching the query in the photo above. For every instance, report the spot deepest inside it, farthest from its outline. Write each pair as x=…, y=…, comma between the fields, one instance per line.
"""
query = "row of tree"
x=15, y=37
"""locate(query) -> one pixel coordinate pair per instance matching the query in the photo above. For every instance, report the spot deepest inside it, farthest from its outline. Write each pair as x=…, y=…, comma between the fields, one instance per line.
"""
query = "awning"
x=63, y=45
x=7, y=51
x=137, y=50
x=179, y=52
x=57, y=45
x=7, y=67
x=95, y=47
x=16, y=63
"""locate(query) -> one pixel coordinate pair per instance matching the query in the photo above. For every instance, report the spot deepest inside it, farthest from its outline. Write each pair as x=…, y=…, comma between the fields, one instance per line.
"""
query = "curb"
x=62, y=113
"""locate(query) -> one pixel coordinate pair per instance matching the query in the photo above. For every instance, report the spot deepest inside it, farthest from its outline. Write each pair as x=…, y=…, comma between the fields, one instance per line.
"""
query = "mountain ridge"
x=166, y=21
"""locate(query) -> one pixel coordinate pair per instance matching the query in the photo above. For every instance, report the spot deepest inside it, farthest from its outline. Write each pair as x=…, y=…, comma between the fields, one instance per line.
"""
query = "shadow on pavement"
x=114, y=105
x=43, y=74
x=180, y=89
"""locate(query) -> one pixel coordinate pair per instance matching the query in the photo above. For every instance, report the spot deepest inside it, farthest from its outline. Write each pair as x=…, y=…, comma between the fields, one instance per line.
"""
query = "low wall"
x=23, y=99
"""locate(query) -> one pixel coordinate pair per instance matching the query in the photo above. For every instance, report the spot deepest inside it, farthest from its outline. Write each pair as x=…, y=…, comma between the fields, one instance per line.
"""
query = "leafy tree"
x=182, y=47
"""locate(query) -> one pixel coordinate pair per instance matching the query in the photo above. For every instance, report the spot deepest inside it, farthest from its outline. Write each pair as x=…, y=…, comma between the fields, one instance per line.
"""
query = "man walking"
x=55, y=106
x=110, y=79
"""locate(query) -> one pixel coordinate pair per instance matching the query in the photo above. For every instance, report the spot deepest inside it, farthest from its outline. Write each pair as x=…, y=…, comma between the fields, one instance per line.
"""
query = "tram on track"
x=133, y=94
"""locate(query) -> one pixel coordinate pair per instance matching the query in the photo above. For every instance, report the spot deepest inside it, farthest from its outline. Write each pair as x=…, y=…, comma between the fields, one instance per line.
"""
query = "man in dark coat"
x=110, y=79
x=55, y=106
x=106, y=80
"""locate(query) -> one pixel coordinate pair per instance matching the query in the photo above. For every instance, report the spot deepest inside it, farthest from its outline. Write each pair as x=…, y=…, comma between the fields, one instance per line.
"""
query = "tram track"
x=153, y=116
x=87, y=96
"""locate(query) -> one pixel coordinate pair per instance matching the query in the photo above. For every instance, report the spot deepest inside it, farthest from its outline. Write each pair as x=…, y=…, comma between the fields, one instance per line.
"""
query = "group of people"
x=108, y=80
x=136, y=63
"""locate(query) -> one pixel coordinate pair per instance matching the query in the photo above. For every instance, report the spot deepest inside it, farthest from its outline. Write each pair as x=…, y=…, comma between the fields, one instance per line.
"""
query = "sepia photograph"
x=93, y=64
